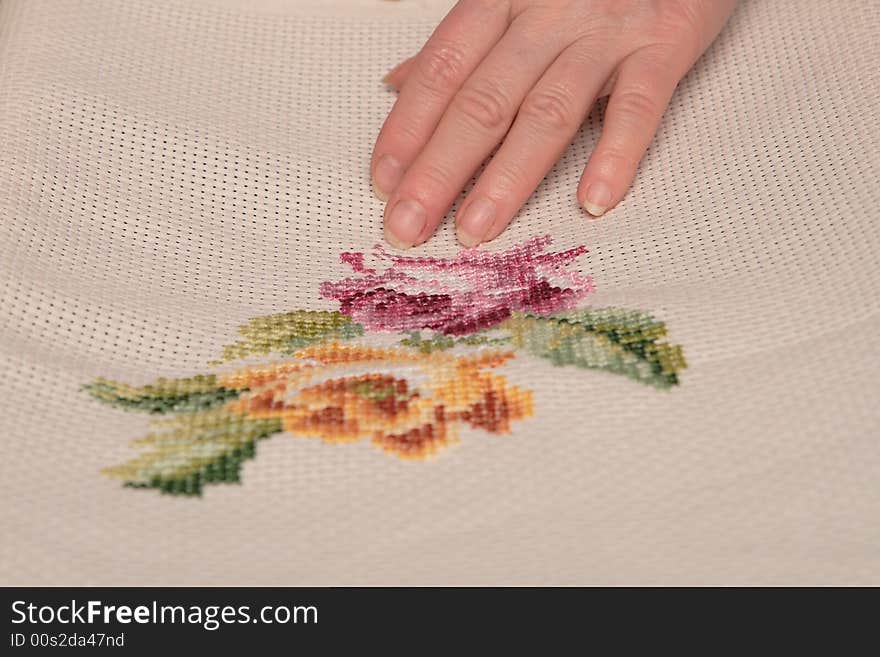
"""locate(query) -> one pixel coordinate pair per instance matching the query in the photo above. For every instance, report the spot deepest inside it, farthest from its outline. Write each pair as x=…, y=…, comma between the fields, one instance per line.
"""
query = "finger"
x=608, y=86
x=456, y=47
x=396, y=77
x=476, y=121
x=547, y=120
x=645, y=83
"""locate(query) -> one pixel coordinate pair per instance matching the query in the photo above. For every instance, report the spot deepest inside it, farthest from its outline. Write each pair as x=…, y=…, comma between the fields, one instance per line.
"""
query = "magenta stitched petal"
x=475, y=290
x=466, y=325
x=383, y=307
x=356, y=262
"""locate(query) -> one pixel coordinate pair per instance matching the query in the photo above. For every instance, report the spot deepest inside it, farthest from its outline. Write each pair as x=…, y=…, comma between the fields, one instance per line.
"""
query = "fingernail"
x=382, y=196
x=405, y=224
x=476, y=221
x=598, y=198
x=386, y=175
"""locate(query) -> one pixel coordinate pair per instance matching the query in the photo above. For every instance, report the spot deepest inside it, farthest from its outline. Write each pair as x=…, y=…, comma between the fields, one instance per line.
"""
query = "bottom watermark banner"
x=150, y=619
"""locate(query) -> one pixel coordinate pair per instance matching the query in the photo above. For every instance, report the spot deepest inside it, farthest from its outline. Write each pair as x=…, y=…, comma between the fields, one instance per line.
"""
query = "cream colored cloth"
x=170, y=170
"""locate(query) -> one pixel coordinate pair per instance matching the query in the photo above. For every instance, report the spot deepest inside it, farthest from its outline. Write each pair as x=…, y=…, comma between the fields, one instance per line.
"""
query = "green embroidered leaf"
x=636, y=331
x=437, y=342
x=198, y=393
x=194, y=450
x=619, y=341
x=287, y=332
x=440, y=342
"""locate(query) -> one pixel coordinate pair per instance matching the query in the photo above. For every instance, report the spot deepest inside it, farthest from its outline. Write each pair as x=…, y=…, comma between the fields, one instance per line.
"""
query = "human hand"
x=524, y=74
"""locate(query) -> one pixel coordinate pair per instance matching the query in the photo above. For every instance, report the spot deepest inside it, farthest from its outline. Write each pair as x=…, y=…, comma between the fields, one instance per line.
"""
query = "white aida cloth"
x=170, y=170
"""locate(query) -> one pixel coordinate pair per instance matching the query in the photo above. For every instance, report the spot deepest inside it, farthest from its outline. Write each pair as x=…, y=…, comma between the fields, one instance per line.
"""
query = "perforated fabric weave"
x=170, y=170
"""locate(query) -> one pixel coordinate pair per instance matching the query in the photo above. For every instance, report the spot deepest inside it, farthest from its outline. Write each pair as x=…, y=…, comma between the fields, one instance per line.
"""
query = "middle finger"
x=473, y=124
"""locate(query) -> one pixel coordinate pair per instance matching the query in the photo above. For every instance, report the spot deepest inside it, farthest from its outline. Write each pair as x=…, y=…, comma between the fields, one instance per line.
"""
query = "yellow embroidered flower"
x=408, y=402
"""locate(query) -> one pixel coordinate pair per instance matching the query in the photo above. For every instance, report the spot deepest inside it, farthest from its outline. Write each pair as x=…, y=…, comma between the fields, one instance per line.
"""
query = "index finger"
x=447, y=59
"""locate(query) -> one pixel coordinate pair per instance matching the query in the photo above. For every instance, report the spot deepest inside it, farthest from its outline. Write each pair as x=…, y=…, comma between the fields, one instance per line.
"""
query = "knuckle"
x=407, y=131
x=616, y=160
x=483, y=106
x=681, y=24
x=433, y=178
x=442, y=66
x=662, y=60
x=509, y=178
x=678, y=14
x=552, y=108
x=637, y=105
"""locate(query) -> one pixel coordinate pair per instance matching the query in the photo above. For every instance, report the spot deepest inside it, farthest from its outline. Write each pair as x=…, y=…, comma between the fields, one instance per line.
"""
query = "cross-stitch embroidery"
x=454, y=323
x=460, y=296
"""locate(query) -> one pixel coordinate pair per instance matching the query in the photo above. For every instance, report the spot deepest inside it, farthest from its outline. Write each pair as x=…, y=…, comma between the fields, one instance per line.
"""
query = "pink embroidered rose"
x=461, y=295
